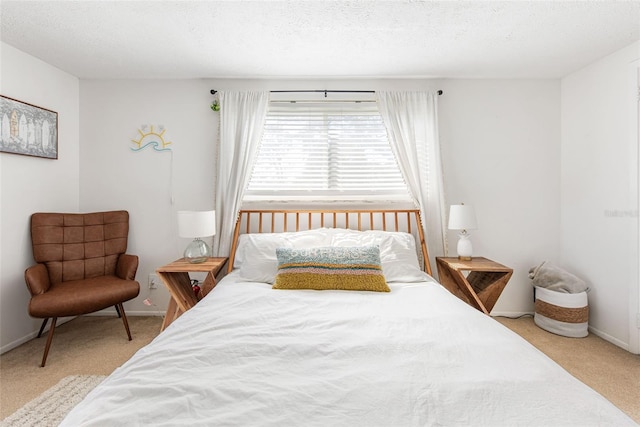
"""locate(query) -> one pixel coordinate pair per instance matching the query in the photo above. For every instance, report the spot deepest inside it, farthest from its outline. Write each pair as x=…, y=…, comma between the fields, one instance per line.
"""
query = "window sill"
x=318, y=203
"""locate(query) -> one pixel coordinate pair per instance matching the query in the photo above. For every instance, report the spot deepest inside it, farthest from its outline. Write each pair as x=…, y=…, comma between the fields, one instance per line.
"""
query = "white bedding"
x=249, y=355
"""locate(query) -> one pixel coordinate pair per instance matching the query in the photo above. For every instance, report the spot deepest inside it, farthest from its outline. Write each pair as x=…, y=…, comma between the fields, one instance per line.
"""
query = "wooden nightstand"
x=176, y=278
x=483, y=284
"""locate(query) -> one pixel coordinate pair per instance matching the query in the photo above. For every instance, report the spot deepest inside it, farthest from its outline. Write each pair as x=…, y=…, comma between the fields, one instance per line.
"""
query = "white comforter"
x=248, y=355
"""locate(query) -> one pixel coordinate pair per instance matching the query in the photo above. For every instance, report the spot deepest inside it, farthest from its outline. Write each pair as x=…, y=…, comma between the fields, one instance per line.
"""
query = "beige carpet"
x=608, y=369
x=97, y=345
x=87, y=345
x=52, y=406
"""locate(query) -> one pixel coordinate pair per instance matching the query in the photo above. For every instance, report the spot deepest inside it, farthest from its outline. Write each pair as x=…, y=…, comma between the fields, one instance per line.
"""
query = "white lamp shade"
x=462, y=217
x=196, y=223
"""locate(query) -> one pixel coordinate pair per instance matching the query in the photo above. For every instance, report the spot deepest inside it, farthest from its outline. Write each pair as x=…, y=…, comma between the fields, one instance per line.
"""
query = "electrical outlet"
x=154, y=281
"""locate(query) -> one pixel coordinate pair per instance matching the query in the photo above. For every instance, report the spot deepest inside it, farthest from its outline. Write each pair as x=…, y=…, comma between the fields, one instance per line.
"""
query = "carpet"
x=50, y=408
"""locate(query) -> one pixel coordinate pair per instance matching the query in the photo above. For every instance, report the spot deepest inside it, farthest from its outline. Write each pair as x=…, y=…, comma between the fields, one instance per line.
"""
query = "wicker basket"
x=561, y=313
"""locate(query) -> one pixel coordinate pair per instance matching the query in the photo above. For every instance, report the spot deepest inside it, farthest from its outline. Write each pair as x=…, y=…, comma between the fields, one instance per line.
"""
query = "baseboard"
x=106, y=312
x=594, y=331
x=146, y=313
x=112, y=312
x=607, y=337
x=32, y=335
x=18, y=342
x=511, y=314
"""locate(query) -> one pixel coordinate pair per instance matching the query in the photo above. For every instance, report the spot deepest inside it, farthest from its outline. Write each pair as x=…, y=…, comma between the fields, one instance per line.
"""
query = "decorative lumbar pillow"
x=345, y=268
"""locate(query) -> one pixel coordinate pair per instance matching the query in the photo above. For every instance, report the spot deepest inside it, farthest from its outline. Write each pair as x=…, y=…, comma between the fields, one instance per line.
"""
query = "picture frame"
x=28, y=129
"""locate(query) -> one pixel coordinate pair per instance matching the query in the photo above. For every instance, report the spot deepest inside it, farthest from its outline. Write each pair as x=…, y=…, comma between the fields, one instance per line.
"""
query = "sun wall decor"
x=148, y=136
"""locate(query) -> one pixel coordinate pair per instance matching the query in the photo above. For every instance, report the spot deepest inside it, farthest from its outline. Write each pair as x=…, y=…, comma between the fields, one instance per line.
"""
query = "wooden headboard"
x=278, y=221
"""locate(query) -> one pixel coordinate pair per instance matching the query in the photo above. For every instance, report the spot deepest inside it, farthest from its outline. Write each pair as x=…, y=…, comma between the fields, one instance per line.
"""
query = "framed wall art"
x=28, y=129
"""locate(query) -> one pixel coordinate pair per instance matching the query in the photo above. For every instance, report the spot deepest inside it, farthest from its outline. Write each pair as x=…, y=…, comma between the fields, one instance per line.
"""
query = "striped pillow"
x=345, y=268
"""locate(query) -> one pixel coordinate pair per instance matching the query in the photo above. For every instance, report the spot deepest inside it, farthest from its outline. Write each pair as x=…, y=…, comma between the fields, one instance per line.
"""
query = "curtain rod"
x=213, y=91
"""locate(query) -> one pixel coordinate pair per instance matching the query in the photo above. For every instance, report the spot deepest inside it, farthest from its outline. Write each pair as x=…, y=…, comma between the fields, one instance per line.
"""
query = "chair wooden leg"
x=124, y=320
x=117, y=309
x=44, y=323
x=49, y=339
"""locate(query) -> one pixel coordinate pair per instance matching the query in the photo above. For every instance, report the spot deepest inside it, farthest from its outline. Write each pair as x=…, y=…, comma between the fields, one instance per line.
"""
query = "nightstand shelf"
x=479, y=282
x=176, y=278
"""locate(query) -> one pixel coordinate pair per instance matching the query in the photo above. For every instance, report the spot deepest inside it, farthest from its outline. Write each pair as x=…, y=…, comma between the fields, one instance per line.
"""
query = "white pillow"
x=256, y=253
x=256, y=259
x=397, y=252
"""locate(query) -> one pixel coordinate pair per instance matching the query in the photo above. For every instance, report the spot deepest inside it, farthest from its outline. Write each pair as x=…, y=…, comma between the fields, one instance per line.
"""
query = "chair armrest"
x=37, y=278
x=127, y=266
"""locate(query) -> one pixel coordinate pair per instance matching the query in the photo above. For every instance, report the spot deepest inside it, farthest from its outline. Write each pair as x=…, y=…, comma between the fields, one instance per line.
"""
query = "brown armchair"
x=82, y=266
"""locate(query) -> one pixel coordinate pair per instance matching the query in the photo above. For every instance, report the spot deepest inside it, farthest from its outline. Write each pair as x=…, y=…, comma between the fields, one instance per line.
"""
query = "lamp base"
x=197, y=252
x=464, y=247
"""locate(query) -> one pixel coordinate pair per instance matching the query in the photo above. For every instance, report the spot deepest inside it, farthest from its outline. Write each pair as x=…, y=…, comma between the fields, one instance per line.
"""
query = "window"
x=326, y=150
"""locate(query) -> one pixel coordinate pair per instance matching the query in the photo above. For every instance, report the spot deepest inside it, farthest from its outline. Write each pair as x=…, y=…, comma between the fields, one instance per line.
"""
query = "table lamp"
x=463, y=218
x=197, y=225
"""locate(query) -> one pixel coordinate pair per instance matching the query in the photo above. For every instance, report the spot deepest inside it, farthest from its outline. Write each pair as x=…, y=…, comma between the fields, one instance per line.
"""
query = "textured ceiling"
x=260, y=39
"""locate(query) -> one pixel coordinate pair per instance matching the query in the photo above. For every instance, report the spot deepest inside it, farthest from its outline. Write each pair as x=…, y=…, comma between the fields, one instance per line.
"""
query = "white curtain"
x=242, y=116
x=411, y=120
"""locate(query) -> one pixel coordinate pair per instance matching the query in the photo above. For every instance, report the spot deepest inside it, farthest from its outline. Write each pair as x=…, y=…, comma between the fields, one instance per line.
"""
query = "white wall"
x=500, y=147
x=599, y=210
x=31, y=184
x=151, y=185
x=500, y=144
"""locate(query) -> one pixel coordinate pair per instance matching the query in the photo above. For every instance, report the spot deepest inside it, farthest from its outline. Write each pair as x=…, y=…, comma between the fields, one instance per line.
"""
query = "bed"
x=415, y=355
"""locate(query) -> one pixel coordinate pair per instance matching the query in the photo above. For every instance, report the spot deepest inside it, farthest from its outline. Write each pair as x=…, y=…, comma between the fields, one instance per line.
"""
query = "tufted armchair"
x=81, y=266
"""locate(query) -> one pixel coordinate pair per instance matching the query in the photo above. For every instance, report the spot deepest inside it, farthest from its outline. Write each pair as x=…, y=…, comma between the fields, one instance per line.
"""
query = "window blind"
x=327, y=149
